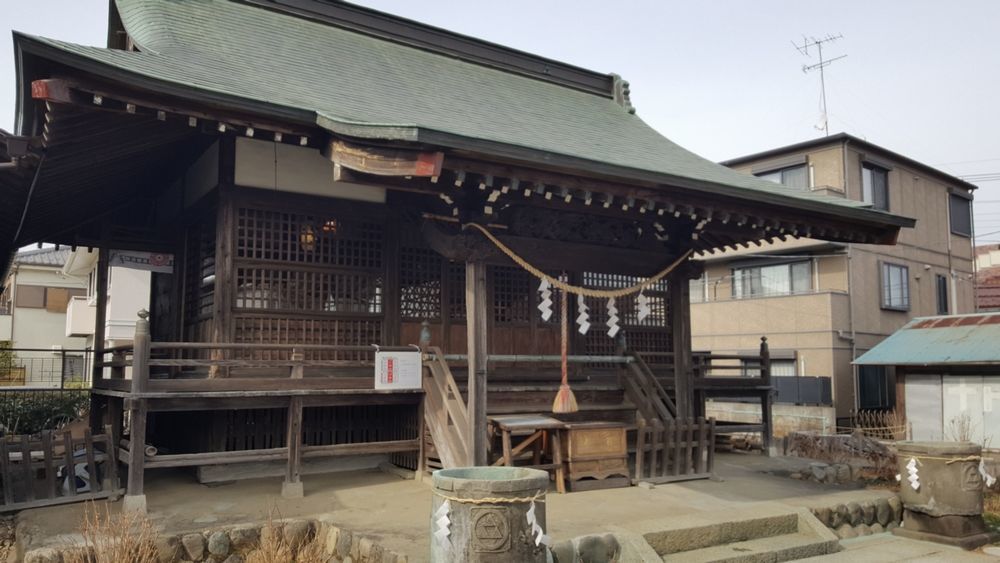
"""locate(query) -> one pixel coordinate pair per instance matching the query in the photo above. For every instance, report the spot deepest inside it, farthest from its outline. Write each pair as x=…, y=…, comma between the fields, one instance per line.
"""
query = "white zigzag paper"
x=583, y=319
x=644, y=309
x=545, y=292
x=536, y=530
x=443, y=524
x=989, y=479
x=612, y=323
x=912, y=474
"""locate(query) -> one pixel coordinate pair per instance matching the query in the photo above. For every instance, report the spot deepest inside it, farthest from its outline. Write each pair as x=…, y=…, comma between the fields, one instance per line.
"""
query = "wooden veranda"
x=318, y=208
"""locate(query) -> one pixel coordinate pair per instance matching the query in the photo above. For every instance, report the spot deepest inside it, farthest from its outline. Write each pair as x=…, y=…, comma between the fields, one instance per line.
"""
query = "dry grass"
x=112, y=538
x=991, y=509
x=273, y=548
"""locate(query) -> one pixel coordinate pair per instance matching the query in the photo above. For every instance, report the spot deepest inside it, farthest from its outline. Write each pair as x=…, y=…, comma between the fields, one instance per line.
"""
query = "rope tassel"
x=565, y=401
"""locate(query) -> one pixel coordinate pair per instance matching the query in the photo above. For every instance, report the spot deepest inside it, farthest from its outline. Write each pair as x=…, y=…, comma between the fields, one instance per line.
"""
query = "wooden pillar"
x=476, y=311
x=292, y=486
x=766, y=398
x=392, y=322
x=225, y=278
x=135, y=498
x=680, y=328
x=100, y=320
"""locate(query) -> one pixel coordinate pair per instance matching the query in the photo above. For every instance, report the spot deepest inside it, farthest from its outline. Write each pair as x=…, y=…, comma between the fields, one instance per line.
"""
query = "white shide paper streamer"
x=443, y=524
x=583, y=319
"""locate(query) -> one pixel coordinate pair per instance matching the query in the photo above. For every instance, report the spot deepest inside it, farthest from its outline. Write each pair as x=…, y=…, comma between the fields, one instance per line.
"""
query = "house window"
x=5, y=301
x=792, y=176
x=30, y=297
x=699, y=289
x=779, y=279
x=960, y=213
x=876, y=390
x=785, y=367
x=875, y=186
x=941, y=288
x=895, y=287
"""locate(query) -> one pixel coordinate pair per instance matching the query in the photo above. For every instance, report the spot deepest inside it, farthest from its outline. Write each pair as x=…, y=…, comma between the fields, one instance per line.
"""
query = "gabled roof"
x=944, y=340
x=265, y=61
x=43, y=257
x=839, y=138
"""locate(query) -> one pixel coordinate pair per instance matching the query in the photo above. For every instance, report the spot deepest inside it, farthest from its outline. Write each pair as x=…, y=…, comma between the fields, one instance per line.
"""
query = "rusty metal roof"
x=946, y=340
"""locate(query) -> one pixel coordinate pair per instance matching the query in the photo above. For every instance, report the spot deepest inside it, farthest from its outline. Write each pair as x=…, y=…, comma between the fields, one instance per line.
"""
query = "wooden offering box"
x=595, y=455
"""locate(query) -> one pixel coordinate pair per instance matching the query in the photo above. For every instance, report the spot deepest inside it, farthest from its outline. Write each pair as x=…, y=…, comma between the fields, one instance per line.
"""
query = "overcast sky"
x=722, y=78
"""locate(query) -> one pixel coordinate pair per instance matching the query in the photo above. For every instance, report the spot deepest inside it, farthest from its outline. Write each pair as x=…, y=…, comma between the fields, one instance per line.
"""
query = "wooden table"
x=542, y=432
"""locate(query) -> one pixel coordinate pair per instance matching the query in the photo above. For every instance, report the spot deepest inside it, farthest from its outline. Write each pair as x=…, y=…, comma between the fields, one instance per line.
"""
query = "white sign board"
x=398, y=370
x=149, y=261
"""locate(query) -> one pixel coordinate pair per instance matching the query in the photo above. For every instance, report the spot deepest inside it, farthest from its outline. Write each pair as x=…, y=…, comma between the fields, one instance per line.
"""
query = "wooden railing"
x=445, y=413
x=682, y=450
x=43, y=470
x=649, y=397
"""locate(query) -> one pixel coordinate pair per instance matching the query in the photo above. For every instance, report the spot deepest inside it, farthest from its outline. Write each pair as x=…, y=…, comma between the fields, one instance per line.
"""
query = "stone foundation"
x=231, y=545
x=854, y=519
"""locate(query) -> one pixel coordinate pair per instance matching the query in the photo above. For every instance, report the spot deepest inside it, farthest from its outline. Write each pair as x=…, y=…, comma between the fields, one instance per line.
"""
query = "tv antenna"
x=822, y=64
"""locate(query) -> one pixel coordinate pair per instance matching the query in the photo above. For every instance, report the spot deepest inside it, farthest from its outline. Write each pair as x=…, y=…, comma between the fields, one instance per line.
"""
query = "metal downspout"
x=850, y=291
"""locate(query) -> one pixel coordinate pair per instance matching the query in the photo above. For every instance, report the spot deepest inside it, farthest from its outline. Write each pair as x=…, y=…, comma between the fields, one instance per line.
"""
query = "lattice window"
x=308, y=291
x=455, y=278
x=511, y=295
x=330, y=240
x=627, y=309
x=340, y=332
x=199, y=272
x=420, y=284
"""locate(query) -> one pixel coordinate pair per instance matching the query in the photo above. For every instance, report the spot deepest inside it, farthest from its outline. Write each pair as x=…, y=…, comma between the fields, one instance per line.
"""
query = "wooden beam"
x=382, y=161
x=135, y=498
x=476, y=310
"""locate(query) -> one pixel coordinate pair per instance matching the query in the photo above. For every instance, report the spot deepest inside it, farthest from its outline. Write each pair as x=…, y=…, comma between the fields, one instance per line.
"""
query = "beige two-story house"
x=823, y=304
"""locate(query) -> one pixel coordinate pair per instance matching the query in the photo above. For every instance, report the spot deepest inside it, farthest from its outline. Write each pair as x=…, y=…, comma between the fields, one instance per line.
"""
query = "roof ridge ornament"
x=621, y=91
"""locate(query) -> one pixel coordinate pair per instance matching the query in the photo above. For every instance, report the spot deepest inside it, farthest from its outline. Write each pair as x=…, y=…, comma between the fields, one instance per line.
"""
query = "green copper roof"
x=363, y=86
x=946, y=340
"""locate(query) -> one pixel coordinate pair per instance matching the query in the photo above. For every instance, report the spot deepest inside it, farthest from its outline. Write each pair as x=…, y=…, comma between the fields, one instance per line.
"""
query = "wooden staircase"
x=625, y=392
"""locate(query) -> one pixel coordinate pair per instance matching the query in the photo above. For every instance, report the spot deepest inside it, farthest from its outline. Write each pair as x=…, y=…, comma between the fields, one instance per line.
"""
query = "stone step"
x=756, y=532
x=784, y=547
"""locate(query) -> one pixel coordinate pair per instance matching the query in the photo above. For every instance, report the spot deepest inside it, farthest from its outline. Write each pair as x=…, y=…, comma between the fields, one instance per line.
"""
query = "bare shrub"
x=112, y=538
x=274, y=548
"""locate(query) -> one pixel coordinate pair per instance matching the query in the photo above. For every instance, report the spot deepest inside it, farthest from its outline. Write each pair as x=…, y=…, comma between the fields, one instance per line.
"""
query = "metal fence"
x=41, y=368
x=796, y=390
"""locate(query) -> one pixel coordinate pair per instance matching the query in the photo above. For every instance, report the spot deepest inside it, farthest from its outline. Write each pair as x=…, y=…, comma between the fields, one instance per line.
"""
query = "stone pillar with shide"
x=489, y=514
x=942, y=492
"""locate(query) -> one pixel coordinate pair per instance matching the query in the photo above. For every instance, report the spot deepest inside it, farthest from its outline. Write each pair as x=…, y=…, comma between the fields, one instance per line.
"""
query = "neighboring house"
x=32, y=318
x=988, y=277
x=822, y=304
x=127, y=291
x=947, y=376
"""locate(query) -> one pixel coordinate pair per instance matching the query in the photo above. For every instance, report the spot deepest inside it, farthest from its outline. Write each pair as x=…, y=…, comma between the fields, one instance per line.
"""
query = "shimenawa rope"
x=495, y=500
x=575, y=290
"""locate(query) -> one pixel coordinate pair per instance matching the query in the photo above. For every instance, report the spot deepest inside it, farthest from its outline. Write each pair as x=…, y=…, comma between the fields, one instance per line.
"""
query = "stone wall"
x=854, y=519
x=231, y=545
x=785, y=418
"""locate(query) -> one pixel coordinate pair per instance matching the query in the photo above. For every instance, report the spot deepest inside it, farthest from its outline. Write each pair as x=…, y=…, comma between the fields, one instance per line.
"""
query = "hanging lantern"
x=307, y=238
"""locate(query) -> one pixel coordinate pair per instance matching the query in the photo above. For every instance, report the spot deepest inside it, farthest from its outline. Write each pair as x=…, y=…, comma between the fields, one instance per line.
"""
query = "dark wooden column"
x=766, y=398
x=100, y=320
x=680, y=328
x=135, y=498
x=292, y=486
x=476, y=311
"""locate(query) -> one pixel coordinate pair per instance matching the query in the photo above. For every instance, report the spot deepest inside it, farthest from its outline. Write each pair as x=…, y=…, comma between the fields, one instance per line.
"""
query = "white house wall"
x=938, y=407
x=128, y=293
x=287, y=168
